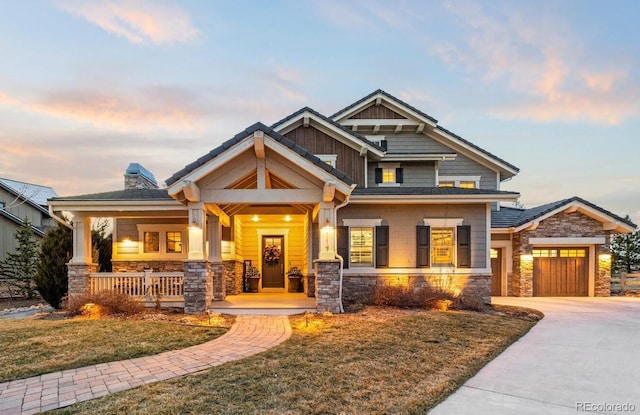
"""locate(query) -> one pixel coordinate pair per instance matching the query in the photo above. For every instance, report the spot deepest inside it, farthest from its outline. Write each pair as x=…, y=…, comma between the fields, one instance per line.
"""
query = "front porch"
x=265, y=304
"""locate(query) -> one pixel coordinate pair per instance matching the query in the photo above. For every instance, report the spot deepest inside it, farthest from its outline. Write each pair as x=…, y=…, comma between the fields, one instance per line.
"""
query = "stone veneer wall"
x=156, y=266
x=233, y=277
x=198, y=286
x=360, y=288
x=218, y=285
x=567, y=225
x=78, y=278
x=310, y=285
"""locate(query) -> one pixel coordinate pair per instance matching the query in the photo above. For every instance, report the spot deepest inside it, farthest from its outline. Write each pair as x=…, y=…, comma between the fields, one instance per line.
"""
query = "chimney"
x=137, y=177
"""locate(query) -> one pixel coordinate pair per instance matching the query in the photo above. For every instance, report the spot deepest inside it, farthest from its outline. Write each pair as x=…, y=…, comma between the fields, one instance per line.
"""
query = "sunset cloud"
x=139, y=21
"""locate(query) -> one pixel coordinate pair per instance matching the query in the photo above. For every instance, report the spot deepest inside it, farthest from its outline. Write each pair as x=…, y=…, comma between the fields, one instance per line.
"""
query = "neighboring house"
x=377, y=193
x=19, y=200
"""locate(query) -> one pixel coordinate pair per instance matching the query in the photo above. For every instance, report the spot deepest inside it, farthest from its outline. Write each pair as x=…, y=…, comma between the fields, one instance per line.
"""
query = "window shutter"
x=382, y=246
x=422, y=244
x=342, y=233
x=464, y=246
x=378, y=175
x=399, y=175
x=383, y=144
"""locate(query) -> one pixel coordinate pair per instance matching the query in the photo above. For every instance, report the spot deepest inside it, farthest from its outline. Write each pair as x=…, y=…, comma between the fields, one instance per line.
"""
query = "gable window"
x=389, y=174
x=330, y=159
x=463, y=182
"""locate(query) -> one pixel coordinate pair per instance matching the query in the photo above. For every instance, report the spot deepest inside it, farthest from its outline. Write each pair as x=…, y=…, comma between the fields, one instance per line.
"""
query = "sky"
x=553, y=87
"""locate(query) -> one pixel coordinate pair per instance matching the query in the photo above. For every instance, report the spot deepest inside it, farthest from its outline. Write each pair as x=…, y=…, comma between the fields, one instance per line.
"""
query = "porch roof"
x=247, y=133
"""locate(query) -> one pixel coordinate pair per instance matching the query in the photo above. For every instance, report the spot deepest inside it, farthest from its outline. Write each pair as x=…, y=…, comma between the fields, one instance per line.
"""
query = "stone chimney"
x=137, y=177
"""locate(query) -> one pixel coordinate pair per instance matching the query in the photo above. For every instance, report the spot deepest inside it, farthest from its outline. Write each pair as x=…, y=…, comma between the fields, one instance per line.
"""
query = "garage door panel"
x=560, y=272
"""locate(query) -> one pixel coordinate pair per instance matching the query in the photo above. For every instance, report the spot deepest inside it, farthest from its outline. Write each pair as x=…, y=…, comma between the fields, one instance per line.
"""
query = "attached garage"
x=560, y=272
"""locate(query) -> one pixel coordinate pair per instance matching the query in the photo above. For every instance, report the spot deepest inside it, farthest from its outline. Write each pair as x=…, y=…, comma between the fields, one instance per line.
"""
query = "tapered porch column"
x=81, y=264
x=214, y=229
x=326, y=221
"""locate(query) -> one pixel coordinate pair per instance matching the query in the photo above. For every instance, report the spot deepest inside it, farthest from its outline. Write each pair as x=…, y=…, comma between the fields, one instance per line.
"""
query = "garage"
x=560, y=272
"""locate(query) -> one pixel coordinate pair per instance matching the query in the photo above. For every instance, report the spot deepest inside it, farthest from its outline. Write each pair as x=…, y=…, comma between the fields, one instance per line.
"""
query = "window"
x=442, y=246
x=463, y=182
x=151, y=242
x=174, y=242
x=330, y=159
x=562, y=253
x=361, y=246
x=389, y=174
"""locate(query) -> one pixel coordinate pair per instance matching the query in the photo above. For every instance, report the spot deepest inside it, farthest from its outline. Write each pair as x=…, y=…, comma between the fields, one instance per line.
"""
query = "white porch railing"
x=150, y=287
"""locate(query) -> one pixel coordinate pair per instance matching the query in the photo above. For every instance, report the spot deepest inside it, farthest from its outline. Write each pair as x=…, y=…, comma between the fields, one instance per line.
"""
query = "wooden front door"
x=496, y=270
x=273, y=261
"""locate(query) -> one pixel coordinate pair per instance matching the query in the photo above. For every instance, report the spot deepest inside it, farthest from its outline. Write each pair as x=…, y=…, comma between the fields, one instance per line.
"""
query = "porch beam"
x=251, y=196
x=191, y=191
x=217, y=210
x=329, y=191
x=258, y=144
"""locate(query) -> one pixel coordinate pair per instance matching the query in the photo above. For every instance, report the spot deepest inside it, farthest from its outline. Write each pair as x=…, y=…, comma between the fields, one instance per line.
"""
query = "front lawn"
x=34, y=347
x=378, y=361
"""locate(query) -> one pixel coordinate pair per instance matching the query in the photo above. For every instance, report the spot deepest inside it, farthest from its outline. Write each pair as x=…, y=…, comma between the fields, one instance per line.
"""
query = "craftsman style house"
x=377, y=193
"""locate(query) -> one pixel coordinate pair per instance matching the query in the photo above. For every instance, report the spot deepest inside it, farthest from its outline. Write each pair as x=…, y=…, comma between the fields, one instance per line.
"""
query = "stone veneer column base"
x=198, y=286
x=78, y=278
x=327, y=285
x=219, y=287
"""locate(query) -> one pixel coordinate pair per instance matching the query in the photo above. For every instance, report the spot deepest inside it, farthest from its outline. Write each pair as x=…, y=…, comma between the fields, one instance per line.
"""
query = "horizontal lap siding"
x=403, y=219
x=317, y=142
x=464, y=166
x=128, y=228
x=414, y=143
x=415, y=174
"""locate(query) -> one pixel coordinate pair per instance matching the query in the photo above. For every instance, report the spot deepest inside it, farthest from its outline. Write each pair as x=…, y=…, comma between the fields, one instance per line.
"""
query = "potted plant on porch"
x=295, y=279
x=253, y=277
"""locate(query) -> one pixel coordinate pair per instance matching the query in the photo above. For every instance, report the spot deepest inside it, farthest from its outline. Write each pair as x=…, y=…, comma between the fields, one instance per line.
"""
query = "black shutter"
x=422, y=246
x=382, y=246
x=383, y=144
x=342, y=233
x=378, y=175
x=399, y=175
x=464, y=246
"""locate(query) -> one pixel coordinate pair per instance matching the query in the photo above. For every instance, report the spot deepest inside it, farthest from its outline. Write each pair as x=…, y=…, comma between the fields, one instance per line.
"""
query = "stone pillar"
x=198, y=286
x=327, y=285
x=232, y=277
x=523, y=286
x=78, y=278
x=602, y=283
x=218, y=285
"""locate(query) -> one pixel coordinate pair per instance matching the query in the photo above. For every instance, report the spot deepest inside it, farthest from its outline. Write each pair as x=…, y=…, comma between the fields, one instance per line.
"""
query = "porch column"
x=198, y=286
x=327, y=273
x=80, y=266
x=602, y=283
x=326, y=222
x=197, y=235
x=214, y=233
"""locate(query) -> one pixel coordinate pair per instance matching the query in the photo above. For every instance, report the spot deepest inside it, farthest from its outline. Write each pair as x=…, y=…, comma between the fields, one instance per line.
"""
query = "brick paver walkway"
x=248, y=336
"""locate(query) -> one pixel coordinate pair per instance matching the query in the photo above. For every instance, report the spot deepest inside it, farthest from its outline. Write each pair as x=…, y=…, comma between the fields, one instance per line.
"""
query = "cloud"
x=540, y=60
x=286, y=82
x=139, y=21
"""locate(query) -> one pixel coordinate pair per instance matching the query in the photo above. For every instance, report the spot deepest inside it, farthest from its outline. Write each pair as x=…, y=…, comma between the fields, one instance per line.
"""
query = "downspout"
x=58, y=218
x=335, y=244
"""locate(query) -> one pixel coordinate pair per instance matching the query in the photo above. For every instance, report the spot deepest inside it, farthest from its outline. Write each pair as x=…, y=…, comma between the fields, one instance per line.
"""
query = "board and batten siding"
x=403, y=219
x=464, y=166
x=317, y=142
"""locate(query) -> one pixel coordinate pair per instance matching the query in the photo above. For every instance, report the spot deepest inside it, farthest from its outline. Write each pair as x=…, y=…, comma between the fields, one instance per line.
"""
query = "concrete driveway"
x=584, y=356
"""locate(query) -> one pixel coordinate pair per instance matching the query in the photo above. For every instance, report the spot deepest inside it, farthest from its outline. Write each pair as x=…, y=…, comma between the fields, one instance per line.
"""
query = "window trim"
x=162, y=229
x=389, y=166
x=363, y=223
x=457, y=179
x=441, y=223
x=330, y=159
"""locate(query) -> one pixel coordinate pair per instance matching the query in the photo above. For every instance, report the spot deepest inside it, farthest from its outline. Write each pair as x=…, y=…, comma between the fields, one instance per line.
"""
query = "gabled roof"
x=349, y=132
x=33, y=194
x=346, y=109
x=507, y=167
x=247, y=133
x=13, y=218
x=521, y=218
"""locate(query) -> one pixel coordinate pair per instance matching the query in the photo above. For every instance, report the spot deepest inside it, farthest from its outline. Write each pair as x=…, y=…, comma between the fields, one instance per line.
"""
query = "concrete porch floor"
x=265, y=304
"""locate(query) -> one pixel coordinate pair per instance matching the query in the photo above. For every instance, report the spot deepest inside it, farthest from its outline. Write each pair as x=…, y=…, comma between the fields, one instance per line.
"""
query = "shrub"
x=55, y=252
x=431, y=298
x=106, y=302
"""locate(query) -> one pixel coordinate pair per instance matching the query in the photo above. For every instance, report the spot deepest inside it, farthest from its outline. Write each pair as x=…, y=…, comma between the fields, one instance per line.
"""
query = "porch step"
x=284, y=311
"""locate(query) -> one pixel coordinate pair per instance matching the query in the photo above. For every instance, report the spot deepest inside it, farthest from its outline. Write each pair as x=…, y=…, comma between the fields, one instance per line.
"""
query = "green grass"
x=34, y=347
x=375, y=362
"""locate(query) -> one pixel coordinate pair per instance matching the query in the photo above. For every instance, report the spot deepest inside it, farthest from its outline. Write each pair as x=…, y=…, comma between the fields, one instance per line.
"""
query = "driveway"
x=584, y=356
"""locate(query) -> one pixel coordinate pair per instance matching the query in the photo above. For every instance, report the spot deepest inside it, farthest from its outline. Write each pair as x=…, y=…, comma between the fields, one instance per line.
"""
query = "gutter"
x=58, y=218
x=335, y=244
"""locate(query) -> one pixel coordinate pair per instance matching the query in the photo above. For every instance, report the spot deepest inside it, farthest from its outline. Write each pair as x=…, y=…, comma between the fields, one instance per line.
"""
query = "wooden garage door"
x=560, y=272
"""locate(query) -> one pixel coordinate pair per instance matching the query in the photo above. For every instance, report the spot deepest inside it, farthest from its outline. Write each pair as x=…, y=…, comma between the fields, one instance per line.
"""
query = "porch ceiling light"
x=255, y=218
x=287, y=218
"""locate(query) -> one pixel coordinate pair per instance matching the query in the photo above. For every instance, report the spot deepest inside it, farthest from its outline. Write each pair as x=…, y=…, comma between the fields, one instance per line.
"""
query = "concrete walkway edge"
x=251, y=334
